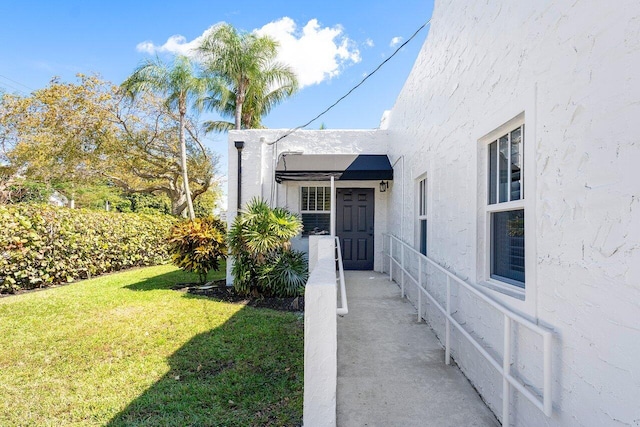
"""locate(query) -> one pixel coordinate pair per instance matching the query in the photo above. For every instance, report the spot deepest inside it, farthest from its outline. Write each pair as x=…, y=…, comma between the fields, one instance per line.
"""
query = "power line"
x=6, y=87
x=17, y=82
x=353, y=88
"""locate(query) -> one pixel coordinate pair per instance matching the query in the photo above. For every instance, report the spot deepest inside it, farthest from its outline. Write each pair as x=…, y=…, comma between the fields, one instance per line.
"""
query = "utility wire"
x=7, y=85
x=353, y=88
x=15, y=81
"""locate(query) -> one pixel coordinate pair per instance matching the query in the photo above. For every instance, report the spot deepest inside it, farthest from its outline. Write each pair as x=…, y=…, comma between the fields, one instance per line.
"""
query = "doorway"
x=354, y=227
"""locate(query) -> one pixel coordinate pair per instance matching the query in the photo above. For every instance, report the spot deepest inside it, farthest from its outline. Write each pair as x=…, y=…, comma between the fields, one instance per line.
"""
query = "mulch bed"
x=219, y=291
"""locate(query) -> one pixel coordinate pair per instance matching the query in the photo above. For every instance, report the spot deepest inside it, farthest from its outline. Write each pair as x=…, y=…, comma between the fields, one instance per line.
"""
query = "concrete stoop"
x=391, y=369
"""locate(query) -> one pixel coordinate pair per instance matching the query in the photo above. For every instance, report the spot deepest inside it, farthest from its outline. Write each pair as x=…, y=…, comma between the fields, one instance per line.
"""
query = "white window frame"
x=500, y=284
x=325, y=190
x=422, y=213
x=306, y=210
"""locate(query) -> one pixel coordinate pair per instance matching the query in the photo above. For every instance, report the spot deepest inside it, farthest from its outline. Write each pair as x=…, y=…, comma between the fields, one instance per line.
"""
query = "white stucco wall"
x=572, y=68
x=320, y=337
x=259, y=157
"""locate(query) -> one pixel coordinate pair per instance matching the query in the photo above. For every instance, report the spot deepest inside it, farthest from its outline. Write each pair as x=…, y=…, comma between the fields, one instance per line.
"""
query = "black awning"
x=344, y=167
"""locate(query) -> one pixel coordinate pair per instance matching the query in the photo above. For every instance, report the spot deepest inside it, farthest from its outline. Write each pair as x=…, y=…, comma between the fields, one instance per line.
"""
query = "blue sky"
x=42, y=39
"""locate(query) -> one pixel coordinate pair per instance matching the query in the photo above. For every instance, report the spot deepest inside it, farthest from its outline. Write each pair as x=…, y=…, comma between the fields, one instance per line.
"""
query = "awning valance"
x=343, y=167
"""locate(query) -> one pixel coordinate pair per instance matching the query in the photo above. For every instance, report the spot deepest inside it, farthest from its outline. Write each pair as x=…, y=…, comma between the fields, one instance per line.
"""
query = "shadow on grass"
x=246, y=372
x=170, y=280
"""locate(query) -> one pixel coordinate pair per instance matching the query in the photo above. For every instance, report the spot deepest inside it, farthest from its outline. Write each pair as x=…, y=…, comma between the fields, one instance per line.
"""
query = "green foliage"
x=246, y=80
x=284, y=273
x=205, y=204
x=26, y=191
x=43, y=245
x=259, y=240
x=148, y=203
x=179, y=85
x=198, y=246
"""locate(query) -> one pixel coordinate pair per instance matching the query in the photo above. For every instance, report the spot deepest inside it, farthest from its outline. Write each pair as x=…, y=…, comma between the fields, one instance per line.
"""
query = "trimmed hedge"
x=43, y=245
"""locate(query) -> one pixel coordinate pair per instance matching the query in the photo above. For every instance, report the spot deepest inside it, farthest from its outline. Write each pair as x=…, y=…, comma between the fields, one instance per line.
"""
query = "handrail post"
x=546, y=390
x=402, y=269
x=344, y=306
x=506, y=371
x=447, y=338
x=390, y=258
x=420, y=289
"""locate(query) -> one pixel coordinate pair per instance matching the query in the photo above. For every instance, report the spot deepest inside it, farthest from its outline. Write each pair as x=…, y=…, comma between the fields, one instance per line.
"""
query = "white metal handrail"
x=545, y=403
x=344, y=307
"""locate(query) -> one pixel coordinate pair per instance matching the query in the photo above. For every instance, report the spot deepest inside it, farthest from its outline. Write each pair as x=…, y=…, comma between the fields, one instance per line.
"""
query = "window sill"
x=504, y=288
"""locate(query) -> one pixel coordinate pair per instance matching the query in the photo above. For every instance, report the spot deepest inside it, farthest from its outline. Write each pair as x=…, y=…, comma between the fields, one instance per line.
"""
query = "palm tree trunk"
x=185, y=175
x=238, y=115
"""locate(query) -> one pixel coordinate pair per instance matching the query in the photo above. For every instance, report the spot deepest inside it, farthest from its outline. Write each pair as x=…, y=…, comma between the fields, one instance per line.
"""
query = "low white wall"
x=320, y=337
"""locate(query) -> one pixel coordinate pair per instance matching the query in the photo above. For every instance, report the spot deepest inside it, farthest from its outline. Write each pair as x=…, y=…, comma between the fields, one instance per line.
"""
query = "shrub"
x=197, y=246
x=42, y=245
x=259, y=241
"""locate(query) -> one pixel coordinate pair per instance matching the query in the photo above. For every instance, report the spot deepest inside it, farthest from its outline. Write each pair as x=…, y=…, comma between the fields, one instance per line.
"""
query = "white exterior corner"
x=569, y=71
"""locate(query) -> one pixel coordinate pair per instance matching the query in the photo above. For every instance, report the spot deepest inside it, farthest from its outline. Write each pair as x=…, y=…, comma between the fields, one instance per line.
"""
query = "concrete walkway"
x=391, y=369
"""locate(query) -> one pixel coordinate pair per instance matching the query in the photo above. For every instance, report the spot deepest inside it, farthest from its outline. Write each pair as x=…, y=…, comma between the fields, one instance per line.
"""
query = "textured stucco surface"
x=571, y=67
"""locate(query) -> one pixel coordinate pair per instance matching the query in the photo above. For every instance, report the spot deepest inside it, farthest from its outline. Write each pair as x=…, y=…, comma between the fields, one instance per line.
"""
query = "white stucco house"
x=512, y=162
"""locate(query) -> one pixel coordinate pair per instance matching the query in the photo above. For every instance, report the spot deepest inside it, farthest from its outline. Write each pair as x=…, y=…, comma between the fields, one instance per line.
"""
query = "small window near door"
x=422, y=215
x=315, y=209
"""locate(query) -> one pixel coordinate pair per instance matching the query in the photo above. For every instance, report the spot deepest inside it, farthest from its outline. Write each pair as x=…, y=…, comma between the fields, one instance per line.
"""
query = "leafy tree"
x=246, y=80
x=60, y=133
x=179, y=85
x=149, y=156
x=79, y=137
x=260, y=242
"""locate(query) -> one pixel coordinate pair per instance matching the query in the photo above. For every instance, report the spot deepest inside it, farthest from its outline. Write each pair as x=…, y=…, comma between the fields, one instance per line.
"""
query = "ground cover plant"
x=126, y=349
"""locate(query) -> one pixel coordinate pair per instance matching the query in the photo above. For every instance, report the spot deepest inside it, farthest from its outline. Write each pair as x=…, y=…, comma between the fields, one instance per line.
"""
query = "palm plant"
x=248, y=82
x=180, y=85
x=260, y=242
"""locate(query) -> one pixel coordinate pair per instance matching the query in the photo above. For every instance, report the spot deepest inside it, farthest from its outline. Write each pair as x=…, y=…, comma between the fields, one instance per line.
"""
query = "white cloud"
x=315, y=53
x=369, y=43
x=395, y=41
x=176, y=44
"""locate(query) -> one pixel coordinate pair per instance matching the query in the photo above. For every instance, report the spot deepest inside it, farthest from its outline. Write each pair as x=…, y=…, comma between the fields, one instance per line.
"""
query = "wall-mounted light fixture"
x=383, y=186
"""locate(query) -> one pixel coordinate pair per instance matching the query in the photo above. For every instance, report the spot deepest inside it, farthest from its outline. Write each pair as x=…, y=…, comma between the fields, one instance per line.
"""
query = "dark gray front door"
x=354, y=226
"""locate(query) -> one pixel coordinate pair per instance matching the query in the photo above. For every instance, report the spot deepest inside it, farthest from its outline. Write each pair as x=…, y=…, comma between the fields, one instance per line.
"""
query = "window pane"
x=507, y=246
x=312, y=198
x=516, y=164
x=305, y=199
x=493, y=147
x=423, y=197
x=504, y=171
x=423, y=236
x=315, y=223
x=327, y=198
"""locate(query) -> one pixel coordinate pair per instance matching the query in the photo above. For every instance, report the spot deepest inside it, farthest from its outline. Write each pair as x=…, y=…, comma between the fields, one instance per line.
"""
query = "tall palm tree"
x=248, y=80
x=180, y=85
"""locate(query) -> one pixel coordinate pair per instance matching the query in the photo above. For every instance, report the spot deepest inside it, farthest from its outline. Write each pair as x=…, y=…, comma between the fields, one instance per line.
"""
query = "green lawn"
x=125, y=350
